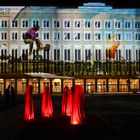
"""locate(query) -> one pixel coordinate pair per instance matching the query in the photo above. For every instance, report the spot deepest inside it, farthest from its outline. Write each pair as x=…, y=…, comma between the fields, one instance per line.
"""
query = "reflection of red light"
x=47, y=107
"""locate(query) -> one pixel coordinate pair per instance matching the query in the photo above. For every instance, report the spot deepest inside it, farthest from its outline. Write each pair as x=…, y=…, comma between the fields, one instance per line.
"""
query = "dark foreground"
x=107, y=117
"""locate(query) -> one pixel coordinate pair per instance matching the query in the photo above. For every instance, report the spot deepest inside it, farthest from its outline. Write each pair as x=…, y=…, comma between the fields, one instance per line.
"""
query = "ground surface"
x=107, y=117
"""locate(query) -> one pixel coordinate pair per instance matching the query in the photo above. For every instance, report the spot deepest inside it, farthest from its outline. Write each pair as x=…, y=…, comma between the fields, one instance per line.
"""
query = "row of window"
x=68, y=55
x=97, y=55
x=75, y=23
x=77, y=36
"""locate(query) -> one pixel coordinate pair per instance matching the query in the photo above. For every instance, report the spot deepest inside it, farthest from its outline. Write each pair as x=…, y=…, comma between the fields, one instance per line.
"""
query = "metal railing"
x=38, y=63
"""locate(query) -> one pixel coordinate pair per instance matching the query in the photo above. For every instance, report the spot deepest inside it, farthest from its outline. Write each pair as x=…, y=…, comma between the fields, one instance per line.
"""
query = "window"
x=87, y=36
x=45, y=23
x=66, y=36
x=14, y=24
x=137, y=36
x=97, y=36
x=87, y=24
x=128, y=36
x=107, y=24
x=25, y=24
x=118, y=55
x=22, y=34
x=77, y=24
x=87, y=54
x=118, y=36
x=77, y=54
x=97, y=24
x=35, y=85
x=14, y=36
x=66, y=23
x=108, y=36
x=77, y=36
x=117, y=24
x=56, y=24
x=45, y=36
x=137, y=24
x=56, y=35
x=138, y=55
x=97, y=54
x=35, y=22
x=4, y=23
x=127, y=24
x=128, y=54
x=56, y=54
x=3, y=35
x=67, y=54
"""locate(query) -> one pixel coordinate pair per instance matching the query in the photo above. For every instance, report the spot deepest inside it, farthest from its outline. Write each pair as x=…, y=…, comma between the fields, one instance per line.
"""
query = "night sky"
x=71, y=3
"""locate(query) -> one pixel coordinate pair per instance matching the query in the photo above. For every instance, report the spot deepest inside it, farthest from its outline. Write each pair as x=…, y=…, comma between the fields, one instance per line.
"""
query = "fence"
x=41, y=63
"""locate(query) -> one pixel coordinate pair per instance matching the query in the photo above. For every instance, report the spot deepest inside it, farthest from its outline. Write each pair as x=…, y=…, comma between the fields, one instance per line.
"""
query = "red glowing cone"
x=29, y=105
x=66, y=107
x=47, y=106
x=78, y=112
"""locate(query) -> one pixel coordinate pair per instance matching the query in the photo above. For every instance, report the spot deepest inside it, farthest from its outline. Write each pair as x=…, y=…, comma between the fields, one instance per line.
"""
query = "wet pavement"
x=107, y=117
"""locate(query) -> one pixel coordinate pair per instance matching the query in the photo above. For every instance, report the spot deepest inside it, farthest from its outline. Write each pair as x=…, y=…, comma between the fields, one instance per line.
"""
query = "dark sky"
x=71, y=3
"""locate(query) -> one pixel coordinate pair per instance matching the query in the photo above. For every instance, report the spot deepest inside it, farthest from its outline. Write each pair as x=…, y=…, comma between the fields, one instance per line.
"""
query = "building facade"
x=95, y=34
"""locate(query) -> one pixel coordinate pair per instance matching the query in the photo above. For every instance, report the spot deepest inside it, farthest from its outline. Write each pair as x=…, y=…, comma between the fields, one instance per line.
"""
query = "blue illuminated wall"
x=75, y=34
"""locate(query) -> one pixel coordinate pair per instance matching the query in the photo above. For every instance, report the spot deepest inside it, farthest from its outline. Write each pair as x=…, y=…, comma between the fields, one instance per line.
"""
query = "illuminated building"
x=94, y=43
